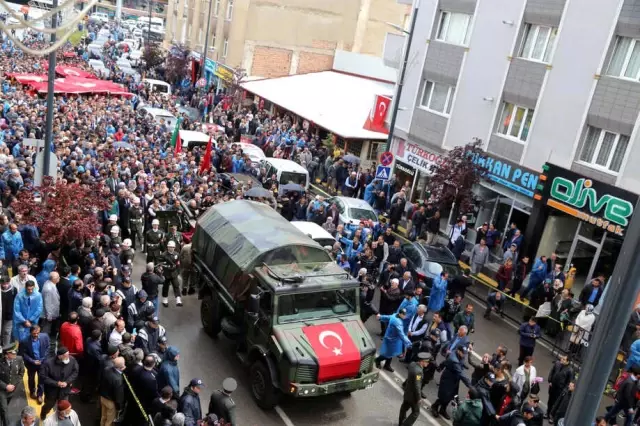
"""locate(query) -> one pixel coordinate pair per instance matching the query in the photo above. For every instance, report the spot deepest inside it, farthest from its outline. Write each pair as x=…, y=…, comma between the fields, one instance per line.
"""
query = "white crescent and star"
x=383, y=108
x=337, y=351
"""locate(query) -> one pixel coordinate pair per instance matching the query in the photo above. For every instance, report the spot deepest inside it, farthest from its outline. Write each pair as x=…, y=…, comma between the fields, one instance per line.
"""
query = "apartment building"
x=552, y=89
x=272, y=38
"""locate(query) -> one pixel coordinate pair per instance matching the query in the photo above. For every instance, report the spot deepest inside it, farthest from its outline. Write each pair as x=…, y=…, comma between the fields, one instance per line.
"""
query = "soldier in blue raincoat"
x=395, y=342
x=438, y=292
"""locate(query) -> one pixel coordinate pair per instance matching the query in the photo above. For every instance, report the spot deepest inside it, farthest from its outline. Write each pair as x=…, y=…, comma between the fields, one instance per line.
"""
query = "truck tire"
x=262, y=390
x=211, y=315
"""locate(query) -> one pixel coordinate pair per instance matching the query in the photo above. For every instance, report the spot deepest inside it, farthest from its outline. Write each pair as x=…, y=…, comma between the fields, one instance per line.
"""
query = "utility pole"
x=609, y=330
x=149, y=2
x=403, y=70
x=206, y=41
x=51, y=76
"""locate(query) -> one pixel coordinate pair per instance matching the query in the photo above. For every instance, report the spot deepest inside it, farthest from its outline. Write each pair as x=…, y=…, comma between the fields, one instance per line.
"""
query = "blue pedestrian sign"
x=383, y=173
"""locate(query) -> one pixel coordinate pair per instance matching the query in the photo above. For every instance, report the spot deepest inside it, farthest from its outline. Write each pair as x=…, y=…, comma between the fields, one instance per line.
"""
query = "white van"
x=158, y=86
x=286, y=171
x=255, y=154
x=158, y=115
x=191, y=138
x=316, y=232
x=143, y=21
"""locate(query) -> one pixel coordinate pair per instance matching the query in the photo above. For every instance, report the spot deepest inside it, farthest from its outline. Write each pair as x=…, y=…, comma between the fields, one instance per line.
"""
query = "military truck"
x=292, y=312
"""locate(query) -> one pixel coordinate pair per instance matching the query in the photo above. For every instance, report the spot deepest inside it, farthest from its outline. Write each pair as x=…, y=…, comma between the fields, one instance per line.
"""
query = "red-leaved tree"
x=63, y=212
x=454, y=177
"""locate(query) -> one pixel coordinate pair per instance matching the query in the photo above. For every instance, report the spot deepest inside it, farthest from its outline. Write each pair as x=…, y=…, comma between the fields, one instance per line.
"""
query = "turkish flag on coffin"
x=338, y=356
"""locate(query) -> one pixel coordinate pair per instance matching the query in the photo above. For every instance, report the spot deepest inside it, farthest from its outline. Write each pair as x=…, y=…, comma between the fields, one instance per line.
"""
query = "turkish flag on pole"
x=378, y=114
x=338, y=356
x=205, y=164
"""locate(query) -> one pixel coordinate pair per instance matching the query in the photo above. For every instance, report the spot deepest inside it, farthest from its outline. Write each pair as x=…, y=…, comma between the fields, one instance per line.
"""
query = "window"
x=230, y=10
x=603, y=149
x=625, y=61
x=454, y=27
x=225, y=47
x=216, y=8
x=515, y=121
x=437, y=97
x=537, y=42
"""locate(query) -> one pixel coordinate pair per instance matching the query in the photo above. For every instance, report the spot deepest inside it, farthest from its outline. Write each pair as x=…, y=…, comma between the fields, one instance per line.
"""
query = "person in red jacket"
x=504, y=274
x=71, y=336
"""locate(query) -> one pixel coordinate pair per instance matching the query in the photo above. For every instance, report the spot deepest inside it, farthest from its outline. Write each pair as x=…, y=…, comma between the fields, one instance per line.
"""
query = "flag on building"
x=176, y=142
x=205, y=164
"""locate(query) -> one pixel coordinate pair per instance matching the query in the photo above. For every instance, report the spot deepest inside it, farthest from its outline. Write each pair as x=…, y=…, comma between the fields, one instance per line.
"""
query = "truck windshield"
x=309, y=306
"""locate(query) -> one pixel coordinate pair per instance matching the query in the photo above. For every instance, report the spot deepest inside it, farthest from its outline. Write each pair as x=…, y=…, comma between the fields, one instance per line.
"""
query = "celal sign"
x=580, y=199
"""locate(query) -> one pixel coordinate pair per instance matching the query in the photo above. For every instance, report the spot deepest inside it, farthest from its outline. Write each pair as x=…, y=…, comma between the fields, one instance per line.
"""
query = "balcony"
x=392, y=50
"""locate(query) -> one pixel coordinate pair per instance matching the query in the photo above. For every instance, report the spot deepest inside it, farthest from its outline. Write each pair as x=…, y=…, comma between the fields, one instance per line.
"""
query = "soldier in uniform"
x=412, y=390
x=11, y=379
x=221, y=403
x=153, y=240
x=113, y=221
x=170, y=260
x=136, y=223
x=186, y=262
x=127, y=253
x=114, y=235
x=175, y=236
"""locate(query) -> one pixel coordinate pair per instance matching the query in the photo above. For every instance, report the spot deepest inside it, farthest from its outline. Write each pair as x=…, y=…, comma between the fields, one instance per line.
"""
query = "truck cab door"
x=259, y=326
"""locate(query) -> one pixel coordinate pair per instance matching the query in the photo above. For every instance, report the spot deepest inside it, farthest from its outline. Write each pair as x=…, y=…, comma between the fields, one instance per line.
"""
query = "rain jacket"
x=169, y=375
x=469, y=413
x=395, y=340
x=26, y=308
x=48, y=266
x=438, y=293
x=190, y=407
x=369, y=190
x=634, y=358
x=411, y=305
x=11, y=245
x=538, y=273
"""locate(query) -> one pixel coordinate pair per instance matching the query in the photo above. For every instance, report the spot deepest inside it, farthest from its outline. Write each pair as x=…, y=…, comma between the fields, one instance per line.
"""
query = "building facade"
x=552, y=82
x=281, y=37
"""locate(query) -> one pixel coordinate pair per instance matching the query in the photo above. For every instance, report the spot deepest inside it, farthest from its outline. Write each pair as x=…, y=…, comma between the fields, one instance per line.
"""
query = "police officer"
x=412, y=390
x=136, y=218
x=174, y=236
x=170, y=262
x=11, y=379
x=221, y=403
x=154, y=239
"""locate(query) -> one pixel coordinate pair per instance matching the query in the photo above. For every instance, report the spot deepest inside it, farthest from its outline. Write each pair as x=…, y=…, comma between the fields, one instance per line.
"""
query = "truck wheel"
x=210, y=315
x=263, y=392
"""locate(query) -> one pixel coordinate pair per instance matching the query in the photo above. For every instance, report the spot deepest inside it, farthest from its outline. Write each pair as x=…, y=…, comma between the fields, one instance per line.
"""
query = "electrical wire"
x=45, y=15
x=50, y=13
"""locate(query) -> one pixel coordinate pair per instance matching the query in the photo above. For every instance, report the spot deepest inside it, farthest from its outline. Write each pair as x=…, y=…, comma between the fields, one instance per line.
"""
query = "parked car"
x=428, y=262
x=353, y=210
x=99, y=17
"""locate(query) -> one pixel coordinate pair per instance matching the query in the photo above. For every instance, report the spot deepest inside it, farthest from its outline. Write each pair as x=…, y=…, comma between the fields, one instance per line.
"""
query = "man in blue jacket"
x=34, y=351
x=169, y=374
x=529, y=333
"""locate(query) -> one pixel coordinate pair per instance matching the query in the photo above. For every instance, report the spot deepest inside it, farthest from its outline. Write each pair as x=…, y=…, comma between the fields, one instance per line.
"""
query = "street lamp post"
x=403, y=70
x=51, y=75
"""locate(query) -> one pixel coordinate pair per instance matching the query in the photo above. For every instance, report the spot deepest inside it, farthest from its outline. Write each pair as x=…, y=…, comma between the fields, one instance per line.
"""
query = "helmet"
x=155, y=222
x=115, y=229
x=113, y=217
x=127, y=242
x=171, y=244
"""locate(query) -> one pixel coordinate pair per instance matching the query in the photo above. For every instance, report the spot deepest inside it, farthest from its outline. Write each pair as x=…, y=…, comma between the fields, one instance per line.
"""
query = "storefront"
x=503, y=197
x=223, y=77
x=582, y=220
x=413, y=166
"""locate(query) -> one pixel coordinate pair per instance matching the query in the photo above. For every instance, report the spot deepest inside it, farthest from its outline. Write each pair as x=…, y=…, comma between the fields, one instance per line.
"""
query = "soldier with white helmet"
x=154, y=239
x=113, y=221
x=127, y=253
x=136, y=223
x=170, y=263
x=114, y=235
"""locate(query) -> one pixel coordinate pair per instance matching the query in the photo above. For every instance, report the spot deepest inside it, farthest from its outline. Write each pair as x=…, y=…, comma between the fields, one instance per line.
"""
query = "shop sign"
x=506, y=173
x=224, y=73
x=210, y=66
x=416, y=156
x=405, y=168
x=600, y=204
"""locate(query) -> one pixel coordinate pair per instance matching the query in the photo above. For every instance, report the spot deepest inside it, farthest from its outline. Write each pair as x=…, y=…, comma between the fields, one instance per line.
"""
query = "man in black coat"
x=559, y=377
x=591, y=293
x=145, y=383
x=559, y=409
x=450, y=382
x=58, y=373
x=625, y=398
x=112, y=391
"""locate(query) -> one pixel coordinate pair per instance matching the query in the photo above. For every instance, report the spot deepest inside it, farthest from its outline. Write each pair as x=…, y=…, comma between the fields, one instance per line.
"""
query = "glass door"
x=583, y=255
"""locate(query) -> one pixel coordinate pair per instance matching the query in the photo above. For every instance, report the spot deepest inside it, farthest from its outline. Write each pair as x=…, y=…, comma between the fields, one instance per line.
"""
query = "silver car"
x=353, y=210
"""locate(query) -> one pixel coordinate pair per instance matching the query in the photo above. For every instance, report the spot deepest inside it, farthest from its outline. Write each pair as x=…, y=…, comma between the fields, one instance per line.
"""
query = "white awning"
x=337, y=102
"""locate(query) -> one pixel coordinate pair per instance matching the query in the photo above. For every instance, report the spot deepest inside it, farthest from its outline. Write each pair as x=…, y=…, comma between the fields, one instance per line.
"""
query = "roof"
x=246, y=230
x=355, y=202
x=193, y=136
x=437, y=253
x=286, y=165
x=312, y=229
x=334, y=101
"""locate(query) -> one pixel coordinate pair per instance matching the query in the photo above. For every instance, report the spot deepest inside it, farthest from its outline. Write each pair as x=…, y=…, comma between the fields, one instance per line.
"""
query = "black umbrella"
x=350, y=158
x=291, y=187
x=258, y=192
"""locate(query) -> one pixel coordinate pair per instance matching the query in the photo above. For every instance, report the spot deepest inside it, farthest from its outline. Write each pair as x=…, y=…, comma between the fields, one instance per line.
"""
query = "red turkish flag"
x=205, y=164
x=338, y=356
x=378, y=114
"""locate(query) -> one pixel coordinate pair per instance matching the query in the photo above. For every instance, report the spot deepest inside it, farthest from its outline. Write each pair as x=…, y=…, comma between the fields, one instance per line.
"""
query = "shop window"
x=538, y=42
x=625, y=61
x=454, y=28
x=375, y=149
x=437, y=97
x=604, y=150
x=515, y=121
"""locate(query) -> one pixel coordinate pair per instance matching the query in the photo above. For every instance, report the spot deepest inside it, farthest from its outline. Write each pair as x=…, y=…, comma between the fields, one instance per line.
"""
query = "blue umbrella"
x=350, y=158
x=291, y=187
x=124, y=145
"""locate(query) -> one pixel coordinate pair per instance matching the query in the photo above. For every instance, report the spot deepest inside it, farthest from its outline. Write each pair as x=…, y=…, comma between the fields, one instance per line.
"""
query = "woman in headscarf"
x=329, y=226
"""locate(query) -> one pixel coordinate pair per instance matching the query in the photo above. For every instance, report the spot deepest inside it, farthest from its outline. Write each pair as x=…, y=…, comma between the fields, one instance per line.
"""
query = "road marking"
x=397, y=387
x=285, y=419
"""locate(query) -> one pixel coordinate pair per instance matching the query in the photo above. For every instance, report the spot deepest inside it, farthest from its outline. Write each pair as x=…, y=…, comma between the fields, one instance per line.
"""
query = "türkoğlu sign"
x=416, y=156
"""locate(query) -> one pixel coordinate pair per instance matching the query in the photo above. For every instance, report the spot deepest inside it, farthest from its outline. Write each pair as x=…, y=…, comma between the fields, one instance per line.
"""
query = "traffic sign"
x=383, y=173
x=386, y=158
